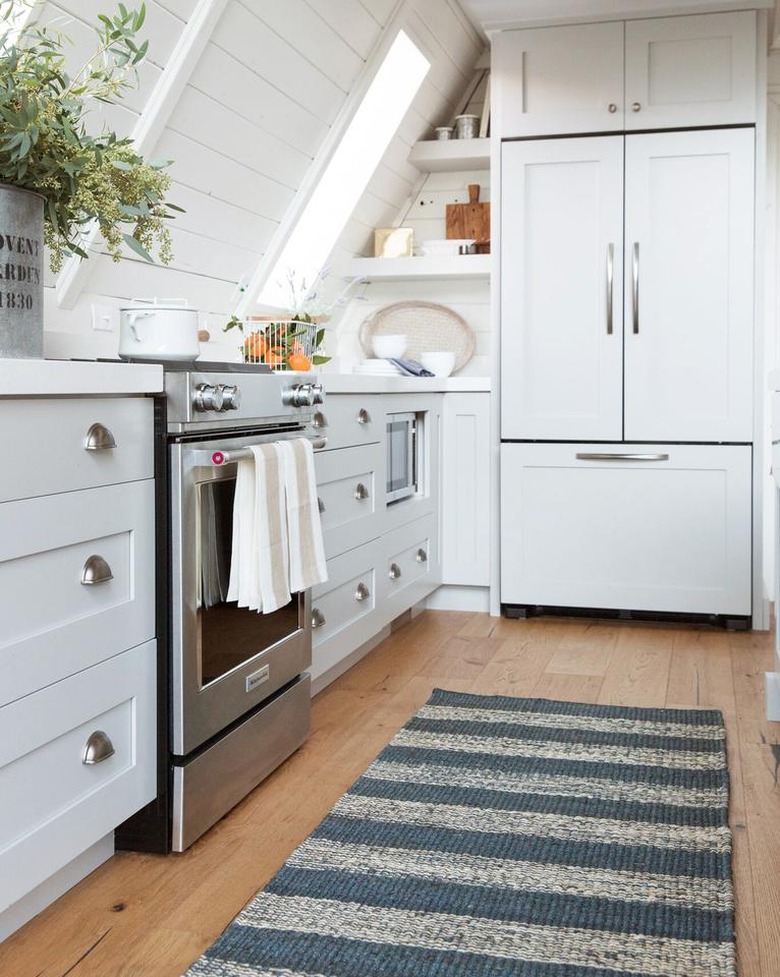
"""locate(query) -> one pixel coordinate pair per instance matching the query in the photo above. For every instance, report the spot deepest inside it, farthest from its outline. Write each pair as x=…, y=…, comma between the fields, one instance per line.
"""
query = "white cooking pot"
x=164, y=330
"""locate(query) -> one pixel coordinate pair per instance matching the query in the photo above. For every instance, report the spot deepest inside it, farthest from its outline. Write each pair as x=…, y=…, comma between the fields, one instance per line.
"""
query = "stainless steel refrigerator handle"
x=618, y=456
x=610, y=284
x=635, y=285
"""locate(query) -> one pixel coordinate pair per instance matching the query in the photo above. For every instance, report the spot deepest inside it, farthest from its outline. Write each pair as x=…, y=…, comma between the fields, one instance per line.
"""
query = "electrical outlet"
x=105, y=318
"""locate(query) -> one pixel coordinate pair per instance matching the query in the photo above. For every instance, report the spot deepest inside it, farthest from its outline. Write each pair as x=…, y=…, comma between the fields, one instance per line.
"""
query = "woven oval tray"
x=428, y=327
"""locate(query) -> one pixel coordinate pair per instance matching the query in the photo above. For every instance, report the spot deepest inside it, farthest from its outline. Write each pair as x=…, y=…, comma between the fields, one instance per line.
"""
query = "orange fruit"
x=254, y=347
x=297, y=361
x=275, y=356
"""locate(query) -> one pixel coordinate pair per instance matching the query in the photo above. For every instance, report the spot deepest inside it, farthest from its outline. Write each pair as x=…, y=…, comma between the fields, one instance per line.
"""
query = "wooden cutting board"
x=469, y=221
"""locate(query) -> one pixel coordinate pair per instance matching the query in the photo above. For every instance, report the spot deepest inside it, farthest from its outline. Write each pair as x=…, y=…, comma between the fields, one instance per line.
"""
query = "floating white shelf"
x=449, y=155
x=405, y=269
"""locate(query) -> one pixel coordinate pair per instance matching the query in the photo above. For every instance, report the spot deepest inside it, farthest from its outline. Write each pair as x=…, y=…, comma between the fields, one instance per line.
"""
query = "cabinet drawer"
x=349, y=594
x=54, y=624
x=341, y=622
x=61, y=805
x=347, y=420
x=410, y=568
x=350, y=491
x=45, y=444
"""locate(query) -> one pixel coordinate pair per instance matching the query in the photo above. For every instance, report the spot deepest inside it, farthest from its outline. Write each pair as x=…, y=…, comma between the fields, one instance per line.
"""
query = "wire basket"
x=283, y=344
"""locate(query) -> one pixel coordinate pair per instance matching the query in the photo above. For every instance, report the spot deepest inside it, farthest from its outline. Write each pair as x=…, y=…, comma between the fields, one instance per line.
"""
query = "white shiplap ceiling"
x=496, y=14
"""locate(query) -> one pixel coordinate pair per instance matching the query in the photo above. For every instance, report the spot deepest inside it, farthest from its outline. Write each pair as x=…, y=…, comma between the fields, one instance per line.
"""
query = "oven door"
x=226, y=660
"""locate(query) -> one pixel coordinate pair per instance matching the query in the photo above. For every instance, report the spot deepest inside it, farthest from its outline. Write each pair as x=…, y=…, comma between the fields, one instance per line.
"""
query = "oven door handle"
x=219, y=458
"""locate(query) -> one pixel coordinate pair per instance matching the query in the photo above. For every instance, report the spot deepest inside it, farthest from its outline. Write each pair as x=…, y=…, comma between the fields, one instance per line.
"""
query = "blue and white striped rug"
x=497, y=836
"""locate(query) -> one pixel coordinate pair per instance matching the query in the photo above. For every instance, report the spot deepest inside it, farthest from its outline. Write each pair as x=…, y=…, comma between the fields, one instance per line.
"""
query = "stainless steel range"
x=235, y=696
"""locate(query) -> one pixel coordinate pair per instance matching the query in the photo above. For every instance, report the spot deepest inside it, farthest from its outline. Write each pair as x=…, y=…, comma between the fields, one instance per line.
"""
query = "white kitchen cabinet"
x=632, y=324
x=466, y=489
x=641, y=527
x=373, y=549
x=658, y=73
x=77, y=649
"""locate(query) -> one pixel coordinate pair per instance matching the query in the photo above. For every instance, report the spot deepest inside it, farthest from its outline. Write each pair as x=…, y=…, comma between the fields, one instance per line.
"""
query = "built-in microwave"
x=401, y=456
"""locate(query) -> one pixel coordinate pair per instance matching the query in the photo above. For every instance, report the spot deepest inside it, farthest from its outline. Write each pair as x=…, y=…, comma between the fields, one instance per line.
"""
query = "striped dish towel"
x=304, y=528
x=259, y=566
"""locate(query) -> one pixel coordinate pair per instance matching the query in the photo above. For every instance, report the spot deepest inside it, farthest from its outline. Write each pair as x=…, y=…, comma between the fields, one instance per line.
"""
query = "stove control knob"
x=231, y=397
x=319, y=395
x=208, y=397
x=301, y=395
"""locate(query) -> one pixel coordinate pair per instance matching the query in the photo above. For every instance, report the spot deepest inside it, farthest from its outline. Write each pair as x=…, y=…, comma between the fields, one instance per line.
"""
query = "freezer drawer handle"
x=99, y=438
x=619, y=456
x=95, y=571
x=99, y=748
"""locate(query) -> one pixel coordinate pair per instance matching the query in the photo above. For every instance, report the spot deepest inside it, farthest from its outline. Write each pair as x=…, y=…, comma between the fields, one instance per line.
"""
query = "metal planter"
x=21, y=273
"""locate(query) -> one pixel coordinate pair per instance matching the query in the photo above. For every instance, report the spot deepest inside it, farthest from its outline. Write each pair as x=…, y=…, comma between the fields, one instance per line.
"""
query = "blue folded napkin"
x=411, y=368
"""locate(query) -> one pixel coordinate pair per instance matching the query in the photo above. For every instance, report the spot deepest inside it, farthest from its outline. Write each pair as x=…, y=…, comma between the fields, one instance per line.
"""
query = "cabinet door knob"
x=422, y=556
x=361, y=492
x=317, y=618
x=395, y=571
x=99, y=748
x=363, y=416
x=612, y=108
x=320, y=504
x=99, y=438
x=319, y=420
x=636, y=106
x=362, y=593
x=95, y=571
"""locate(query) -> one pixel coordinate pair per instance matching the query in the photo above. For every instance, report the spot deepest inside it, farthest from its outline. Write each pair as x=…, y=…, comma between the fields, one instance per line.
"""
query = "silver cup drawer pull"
x=95, y=571
x=320, y=504
x=319, y=421
x=362, y=593
x=395, y=571
x=363, y=416
x=99, y=438
x=361, y=492
x=422, y=556
x=99, y=748
x=317, y=618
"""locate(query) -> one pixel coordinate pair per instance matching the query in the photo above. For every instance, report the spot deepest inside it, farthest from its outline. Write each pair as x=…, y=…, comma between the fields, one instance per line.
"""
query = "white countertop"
x=52, y=378
x=356, y=383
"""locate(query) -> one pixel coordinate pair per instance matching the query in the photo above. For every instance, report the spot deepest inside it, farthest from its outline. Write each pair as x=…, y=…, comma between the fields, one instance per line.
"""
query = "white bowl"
x=389, y=347
x=440, y=363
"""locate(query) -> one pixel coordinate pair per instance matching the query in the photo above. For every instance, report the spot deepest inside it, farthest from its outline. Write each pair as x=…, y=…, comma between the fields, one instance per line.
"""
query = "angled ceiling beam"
x=172, y=82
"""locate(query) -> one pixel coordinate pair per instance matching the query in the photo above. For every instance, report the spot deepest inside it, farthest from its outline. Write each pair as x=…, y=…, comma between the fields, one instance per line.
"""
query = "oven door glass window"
x=228, y=635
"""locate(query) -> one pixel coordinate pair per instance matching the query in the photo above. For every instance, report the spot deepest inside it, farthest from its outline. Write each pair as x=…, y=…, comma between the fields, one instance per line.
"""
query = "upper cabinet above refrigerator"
x=661, y=73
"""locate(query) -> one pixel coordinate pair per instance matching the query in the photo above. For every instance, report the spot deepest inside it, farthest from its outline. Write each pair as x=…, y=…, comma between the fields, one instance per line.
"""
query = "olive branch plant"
x=46, y=147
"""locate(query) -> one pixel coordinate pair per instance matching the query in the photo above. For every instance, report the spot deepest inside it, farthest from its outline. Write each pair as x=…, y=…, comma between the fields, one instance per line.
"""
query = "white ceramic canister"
x=159, y=329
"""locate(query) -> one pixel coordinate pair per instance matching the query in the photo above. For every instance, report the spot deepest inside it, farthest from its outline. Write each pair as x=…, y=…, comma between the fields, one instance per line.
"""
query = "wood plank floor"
x=151, y=916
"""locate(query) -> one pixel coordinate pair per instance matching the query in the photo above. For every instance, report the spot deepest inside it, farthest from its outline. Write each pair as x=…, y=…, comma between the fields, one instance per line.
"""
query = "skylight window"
x=350, y=168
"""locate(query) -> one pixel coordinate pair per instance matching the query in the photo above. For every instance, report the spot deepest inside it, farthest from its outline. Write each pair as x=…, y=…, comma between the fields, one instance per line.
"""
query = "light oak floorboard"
x=151, y=916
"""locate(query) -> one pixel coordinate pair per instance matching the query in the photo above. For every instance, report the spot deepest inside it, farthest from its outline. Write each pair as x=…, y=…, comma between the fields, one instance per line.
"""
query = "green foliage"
x=45, y=145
